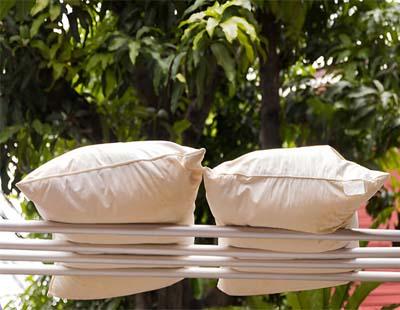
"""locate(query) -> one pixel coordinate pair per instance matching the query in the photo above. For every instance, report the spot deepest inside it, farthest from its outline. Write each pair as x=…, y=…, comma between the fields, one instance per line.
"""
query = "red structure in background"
x=387, y=293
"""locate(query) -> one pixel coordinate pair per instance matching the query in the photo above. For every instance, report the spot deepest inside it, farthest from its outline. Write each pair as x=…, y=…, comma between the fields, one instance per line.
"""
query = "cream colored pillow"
x=239, y=287
x=257, y=287
x=134, y=182
x=309, y=189
x=97, y=287
x=293, y=245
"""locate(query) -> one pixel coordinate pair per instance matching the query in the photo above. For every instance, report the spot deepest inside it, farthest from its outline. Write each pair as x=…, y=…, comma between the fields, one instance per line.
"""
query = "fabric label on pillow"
x=352, y=188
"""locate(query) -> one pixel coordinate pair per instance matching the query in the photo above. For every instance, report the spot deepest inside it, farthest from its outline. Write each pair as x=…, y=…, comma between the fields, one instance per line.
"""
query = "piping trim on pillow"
x=110, y=166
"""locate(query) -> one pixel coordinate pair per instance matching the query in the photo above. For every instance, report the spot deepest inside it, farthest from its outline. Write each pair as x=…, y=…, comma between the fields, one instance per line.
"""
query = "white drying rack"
x=198, y=260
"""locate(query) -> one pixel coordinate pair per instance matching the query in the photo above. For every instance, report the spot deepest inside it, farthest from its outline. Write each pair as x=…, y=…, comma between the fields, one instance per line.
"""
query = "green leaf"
x=246, y=4
x=180, y=126
x=215, y=11
x=175, y=65
x=211, y=24
x=117, y=43
x=53, y=50
x=231, y=25
x=360, y=293
x=7, y=132
x=230, y=29
x=23, y=8
x=339, y=297
x=225, y=60
x=55, y=11
x=133, y=51
x=38, y=126
x=293, y=301
x=345, y=40
x=343, y=55
x=181, y=78
x=194, y=18
x=42, y=47
x=194, y=7
x=197, y=40
x=109, y=82
x=247, y=46
x=145, y=29
x=379, y=86
x=39, y=6
x=176, y=94
x=100, y=58
x=58, y=69
x=38, y=21
x=362, y=92
x=312, y=299
x=248, y=28
x=5, y=7
x=259, y=302
x=188, y=32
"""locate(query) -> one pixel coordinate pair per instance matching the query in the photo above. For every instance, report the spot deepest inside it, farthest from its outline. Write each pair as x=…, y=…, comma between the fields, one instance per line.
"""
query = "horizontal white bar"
x=204, y=261
x=205, y=231
x=197, y=249
x=200, y=272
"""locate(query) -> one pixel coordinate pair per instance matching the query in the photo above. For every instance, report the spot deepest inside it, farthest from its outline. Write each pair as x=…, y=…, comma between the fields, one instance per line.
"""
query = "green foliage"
x=337, y=298
x=35, y=297
x=360, y=293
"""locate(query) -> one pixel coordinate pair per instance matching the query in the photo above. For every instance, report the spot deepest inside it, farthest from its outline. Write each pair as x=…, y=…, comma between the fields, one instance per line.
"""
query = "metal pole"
x=205, y=261
x=199, y=272
x=197, y=249
x=205, y=231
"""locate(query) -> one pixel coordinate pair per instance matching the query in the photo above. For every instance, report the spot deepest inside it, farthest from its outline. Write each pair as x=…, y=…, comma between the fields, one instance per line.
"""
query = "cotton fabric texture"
x=134, y=182
x=96, y=287
x=309, y=189
x=239, y=287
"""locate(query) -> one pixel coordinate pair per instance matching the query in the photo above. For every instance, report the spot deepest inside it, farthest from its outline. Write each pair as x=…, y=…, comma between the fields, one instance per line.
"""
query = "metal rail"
x=200, y=272
x=193, y=261
x=197, y=249
x=205, y=231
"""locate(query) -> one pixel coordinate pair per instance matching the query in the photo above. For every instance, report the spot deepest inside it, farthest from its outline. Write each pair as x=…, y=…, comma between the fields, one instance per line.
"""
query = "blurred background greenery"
x=231, y=76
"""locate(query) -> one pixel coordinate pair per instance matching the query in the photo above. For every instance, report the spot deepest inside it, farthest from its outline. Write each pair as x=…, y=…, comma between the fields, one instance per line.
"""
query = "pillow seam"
x=289, y=177
x=109, y=166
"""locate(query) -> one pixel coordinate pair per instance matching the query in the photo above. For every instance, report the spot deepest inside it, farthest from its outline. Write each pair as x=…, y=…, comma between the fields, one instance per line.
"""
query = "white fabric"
x=258, y=287
x=96, y=287
x=309, y=189
x=292, y=245
x=134, y=182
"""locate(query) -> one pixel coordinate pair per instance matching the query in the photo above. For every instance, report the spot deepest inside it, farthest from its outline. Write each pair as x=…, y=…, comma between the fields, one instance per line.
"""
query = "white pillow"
x=293, y=245
x=96, y=287
x=309, y=189
x=134, y=182
x=239, y=287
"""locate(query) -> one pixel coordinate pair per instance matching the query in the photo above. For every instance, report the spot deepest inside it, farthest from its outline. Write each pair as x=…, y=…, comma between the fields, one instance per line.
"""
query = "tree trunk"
x=270, y=83
x=197, y=114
